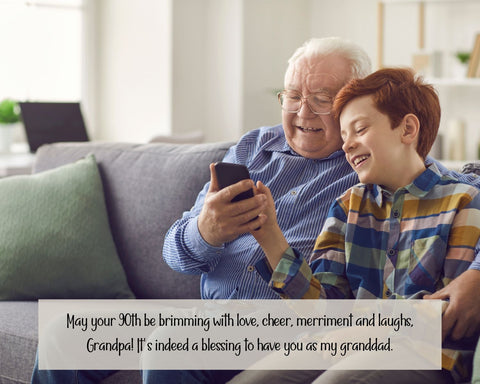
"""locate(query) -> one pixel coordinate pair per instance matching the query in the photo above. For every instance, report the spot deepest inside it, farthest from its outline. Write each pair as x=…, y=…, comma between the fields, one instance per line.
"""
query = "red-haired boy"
x=406, y=230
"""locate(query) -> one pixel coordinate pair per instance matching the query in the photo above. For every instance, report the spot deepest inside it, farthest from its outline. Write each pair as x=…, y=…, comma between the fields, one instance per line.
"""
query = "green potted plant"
x=9, y=112
x=462, y=57
x=9, y=118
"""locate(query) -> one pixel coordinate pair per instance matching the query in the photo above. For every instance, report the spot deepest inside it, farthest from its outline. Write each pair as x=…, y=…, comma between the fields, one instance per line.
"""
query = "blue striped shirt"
x=303, y=190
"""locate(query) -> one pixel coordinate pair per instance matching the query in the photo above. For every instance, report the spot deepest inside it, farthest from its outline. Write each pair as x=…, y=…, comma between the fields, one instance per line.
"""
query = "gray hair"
x=360, y=63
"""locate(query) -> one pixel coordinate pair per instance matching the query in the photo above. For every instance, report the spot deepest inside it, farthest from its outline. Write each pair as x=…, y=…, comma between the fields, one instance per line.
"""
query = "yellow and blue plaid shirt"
x=375, y=244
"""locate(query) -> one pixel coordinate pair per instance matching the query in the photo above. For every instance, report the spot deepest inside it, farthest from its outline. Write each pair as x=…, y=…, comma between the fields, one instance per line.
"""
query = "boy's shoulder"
x=434, y=182
x=454, y=184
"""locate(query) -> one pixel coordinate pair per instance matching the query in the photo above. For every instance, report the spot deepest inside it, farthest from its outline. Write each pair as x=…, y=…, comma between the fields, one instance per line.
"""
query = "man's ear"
x=411, y=129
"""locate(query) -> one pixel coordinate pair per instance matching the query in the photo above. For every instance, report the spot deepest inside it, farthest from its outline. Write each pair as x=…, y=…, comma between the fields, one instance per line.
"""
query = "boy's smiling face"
x=374, y=150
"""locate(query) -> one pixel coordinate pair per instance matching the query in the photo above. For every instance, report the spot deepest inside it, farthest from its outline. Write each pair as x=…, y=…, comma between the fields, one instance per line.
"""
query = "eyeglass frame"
x=302, y=98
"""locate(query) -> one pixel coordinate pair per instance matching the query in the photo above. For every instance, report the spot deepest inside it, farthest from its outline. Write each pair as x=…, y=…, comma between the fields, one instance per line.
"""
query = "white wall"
x=133, y=69
x=350, y=19
x=189, y=67
x=273, y=29
x=223, y=75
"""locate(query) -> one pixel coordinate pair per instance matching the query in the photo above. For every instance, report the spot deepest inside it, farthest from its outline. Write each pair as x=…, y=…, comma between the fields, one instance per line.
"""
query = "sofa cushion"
x=476, y=365
x=55, y=239
x=147, y=187
x=18, y=340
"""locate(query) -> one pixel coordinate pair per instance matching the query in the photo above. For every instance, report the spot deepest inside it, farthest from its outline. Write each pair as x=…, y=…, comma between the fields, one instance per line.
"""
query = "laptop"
x=52, y=122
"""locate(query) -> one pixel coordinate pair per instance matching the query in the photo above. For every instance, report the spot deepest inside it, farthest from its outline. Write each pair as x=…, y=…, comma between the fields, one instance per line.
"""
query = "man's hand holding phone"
x=224, y=215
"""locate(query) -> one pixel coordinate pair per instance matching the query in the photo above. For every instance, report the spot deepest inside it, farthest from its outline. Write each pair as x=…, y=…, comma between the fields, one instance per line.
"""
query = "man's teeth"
x=309, y=129
x=359, y=159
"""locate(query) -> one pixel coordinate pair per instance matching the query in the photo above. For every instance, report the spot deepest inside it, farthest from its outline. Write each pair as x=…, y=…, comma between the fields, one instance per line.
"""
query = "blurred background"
x=211, y=68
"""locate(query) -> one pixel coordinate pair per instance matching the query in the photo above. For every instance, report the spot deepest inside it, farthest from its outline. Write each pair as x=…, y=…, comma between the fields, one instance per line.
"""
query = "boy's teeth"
x=359, y=159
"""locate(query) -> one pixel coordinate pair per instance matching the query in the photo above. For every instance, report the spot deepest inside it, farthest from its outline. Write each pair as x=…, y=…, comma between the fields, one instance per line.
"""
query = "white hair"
x=360, y=63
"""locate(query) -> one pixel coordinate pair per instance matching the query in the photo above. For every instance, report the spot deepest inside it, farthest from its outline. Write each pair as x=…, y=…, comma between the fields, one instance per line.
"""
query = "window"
x=41, y=50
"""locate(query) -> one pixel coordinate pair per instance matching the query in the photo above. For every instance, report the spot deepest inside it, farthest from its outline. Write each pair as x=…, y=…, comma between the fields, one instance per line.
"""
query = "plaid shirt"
x=375, y=244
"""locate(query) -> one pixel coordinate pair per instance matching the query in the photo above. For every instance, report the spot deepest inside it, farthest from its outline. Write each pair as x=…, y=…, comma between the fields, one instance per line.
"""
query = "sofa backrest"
x=147, y=187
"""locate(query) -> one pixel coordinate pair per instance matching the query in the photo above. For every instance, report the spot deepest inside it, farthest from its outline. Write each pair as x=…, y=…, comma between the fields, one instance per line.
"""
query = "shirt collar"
x=420, y=187
x=424, y=183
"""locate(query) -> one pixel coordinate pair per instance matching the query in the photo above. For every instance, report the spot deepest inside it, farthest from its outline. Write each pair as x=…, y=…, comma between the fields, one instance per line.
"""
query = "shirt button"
x=293, y=193
x=391, y=252
x=388, y=293
x=250, y=268
x=396, y=214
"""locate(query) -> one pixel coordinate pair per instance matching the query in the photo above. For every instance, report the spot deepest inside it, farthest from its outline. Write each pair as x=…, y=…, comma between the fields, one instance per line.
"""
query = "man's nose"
x=305, y=110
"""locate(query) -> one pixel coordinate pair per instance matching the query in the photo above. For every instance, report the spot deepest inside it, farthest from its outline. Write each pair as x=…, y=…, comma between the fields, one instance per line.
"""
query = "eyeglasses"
x=319, y=103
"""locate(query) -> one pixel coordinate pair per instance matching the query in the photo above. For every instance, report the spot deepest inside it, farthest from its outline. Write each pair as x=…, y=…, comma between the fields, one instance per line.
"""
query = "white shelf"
x=427, y=1
x=15, y=164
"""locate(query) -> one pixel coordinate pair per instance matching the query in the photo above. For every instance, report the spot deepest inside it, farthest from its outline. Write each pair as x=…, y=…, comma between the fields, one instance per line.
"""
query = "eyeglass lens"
x=319, y=103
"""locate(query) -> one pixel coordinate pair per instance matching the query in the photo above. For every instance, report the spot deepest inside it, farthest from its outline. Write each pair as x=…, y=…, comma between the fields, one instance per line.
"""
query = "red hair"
x=397, y=92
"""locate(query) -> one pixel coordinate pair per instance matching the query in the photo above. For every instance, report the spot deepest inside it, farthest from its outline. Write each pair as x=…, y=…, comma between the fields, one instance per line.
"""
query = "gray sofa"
x=147, y=187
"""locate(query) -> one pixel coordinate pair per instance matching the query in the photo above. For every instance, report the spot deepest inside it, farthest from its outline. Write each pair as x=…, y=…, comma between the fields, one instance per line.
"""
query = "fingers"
x=232, y=191
x=439, y=295
x=221, y=220
x=262, y=188
x=459, y=326
x=213, y=179
x=462, y=316
x=448, y=321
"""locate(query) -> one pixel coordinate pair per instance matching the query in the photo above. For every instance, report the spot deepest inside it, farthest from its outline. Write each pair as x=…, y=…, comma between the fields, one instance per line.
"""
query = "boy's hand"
x=269, y=234
x=268, y=216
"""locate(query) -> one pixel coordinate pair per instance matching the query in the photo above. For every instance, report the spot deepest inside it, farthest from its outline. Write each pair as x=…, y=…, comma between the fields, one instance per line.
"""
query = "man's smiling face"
x=308, y=134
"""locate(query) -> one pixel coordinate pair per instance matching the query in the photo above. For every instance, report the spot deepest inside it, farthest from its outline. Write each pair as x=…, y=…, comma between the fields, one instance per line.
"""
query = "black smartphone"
x=230, y=173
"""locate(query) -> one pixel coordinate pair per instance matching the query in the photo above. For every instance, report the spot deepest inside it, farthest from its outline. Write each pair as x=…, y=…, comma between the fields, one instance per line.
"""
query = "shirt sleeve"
x=184, y=249
x=292, y=278
x=468, y=178
x=324, y=278
x=328, y=260
x=463, y=244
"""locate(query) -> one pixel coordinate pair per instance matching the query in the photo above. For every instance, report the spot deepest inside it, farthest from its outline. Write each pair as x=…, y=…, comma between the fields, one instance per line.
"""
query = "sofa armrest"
x=471, y=168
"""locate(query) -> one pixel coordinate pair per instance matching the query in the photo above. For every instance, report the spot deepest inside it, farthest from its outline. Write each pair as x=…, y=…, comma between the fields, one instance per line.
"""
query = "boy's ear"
x=411, y=128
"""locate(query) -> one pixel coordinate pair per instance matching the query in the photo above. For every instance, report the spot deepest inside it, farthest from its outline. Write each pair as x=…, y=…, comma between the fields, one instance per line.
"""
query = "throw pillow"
x=55, y=239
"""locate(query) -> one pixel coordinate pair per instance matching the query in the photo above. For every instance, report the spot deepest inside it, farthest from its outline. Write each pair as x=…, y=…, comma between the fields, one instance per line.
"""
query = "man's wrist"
x=211, y=241
x=196, y=243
